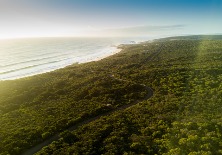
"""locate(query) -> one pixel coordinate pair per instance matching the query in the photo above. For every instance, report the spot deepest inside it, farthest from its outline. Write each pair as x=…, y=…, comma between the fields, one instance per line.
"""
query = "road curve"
x=48, y=141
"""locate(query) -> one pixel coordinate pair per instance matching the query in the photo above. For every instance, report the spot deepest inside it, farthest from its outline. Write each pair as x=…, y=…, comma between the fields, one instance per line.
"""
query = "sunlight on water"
x=26, y=57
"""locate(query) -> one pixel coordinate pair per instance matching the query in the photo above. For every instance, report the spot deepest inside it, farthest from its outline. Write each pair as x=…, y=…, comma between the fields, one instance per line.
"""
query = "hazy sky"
x=45, y=18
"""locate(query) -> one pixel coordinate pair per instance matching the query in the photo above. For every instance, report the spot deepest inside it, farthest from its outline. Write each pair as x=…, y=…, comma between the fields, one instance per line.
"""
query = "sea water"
x=26, y=57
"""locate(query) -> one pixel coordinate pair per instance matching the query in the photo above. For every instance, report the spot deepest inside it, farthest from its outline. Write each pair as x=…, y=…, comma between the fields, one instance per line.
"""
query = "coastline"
x=86, y=59
x=106, y=55
x=95, y=53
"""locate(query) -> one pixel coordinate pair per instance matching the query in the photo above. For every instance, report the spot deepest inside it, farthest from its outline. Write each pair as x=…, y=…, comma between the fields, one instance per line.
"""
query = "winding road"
x=48, y=141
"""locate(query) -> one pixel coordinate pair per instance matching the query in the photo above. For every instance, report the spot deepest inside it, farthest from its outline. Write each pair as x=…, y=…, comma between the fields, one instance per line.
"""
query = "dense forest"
x=182, y=116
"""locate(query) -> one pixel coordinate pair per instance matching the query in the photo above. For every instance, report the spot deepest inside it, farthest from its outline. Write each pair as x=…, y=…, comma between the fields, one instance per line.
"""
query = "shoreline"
x=32, y=70
x=86, y=59
x=102, y=56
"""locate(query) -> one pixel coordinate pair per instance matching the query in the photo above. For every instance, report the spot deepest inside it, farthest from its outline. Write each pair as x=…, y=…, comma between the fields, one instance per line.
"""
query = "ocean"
x=26, y=57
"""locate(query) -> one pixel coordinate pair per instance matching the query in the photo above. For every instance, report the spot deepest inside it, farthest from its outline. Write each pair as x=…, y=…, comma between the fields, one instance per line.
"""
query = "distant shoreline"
x=85, y=60
x=98, y=58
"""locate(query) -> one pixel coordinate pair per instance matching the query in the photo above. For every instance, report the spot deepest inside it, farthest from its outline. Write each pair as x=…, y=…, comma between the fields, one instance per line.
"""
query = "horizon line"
x=164, y=35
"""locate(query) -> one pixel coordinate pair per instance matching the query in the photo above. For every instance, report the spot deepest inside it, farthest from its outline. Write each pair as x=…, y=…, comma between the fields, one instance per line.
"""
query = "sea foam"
x=26, y=57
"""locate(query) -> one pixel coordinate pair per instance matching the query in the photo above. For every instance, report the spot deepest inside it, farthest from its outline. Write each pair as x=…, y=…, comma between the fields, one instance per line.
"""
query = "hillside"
x=183, y=116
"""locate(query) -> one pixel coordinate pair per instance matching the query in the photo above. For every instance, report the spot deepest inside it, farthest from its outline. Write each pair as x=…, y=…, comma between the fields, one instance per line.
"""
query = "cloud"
x=143, y=30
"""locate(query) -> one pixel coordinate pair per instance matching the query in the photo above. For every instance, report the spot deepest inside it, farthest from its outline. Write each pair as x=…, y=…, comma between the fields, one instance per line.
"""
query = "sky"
x=108, y=18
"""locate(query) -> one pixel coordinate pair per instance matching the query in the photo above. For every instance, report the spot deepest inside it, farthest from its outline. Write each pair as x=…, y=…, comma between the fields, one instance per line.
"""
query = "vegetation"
x=182, y=117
